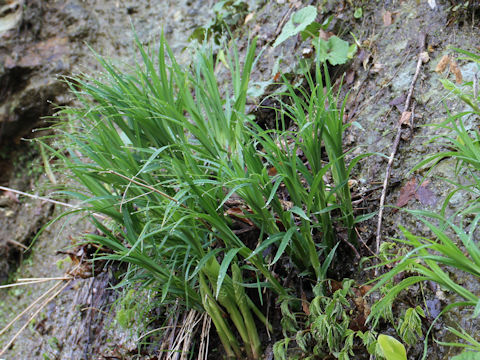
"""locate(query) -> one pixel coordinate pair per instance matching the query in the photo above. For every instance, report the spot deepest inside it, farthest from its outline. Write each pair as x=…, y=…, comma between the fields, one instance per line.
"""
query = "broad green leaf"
x=358, y=13
x=297, y=23
x=467, y=355
x=476, y=312
x=392, y=348
x=335, y=50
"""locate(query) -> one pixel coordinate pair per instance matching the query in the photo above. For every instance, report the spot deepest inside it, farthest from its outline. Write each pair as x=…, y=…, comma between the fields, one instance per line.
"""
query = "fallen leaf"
x=377, y=67
x=249, y=17
x=421, y=193
x=238, y=213
x=365, y=289
x=305, y=304
x=407, y=193
x=425, y=195
x=12, y=196
x=442, y=64
x=434, y=307
x=455, y=69
x=399, y=103
x=272, y=171
x=324, y=35
x=360, y=314
x=425, y=57
x=405, y=118
x=387, y=18
x=398, y=100
x=350, y=77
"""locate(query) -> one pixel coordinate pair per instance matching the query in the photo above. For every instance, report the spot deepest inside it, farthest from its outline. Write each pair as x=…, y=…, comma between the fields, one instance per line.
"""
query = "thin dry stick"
x=151, y=188
x=395, y=148
x=16, y=243
x=27, y=281
x=191, y=322
x=32, y=317
x=139, y=183
x=36, y=197
x=28, y=308
x=21, y=284
x=45, y=278
x=205, y=337
x=43, y=198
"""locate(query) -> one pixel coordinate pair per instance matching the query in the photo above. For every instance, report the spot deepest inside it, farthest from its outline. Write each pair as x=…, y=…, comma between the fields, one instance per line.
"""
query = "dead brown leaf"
x=305, y=304
x=421, y=193
x=405, y=118
x=350, y=77
x=407, y=193
x=455, y=69
x=239, y=214
x=272, y=171
x=249, y=17
x=387, y=18
x=442, y=64
x=12, y=196
x=325, y=35
x=425, y=57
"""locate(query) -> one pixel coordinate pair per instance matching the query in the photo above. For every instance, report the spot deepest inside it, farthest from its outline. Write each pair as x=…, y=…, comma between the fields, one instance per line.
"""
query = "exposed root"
x=181, y=340
x=6, y=347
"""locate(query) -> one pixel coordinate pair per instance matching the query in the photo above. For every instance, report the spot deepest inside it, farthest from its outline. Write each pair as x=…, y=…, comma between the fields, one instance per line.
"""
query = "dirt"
x=50, y=41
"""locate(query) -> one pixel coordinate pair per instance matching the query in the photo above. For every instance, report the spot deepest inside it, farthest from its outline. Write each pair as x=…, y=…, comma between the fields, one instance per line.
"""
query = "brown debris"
x=411, y=190
x=387, y=18
x=442, y=64
x=455, y=69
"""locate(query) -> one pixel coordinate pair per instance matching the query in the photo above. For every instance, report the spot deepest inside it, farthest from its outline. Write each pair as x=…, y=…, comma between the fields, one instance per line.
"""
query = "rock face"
x=39, y=41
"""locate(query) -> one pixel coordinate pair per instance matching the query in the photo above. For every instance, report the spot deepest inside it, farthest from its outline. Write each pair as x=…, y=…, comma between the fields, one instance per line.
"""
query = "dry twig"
x=396, y=142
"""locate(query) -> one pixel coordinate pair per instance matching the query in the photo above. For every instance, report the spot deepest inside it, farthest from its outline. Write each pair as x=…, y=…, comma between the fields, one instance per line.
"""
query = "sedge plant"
x=159, y=153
